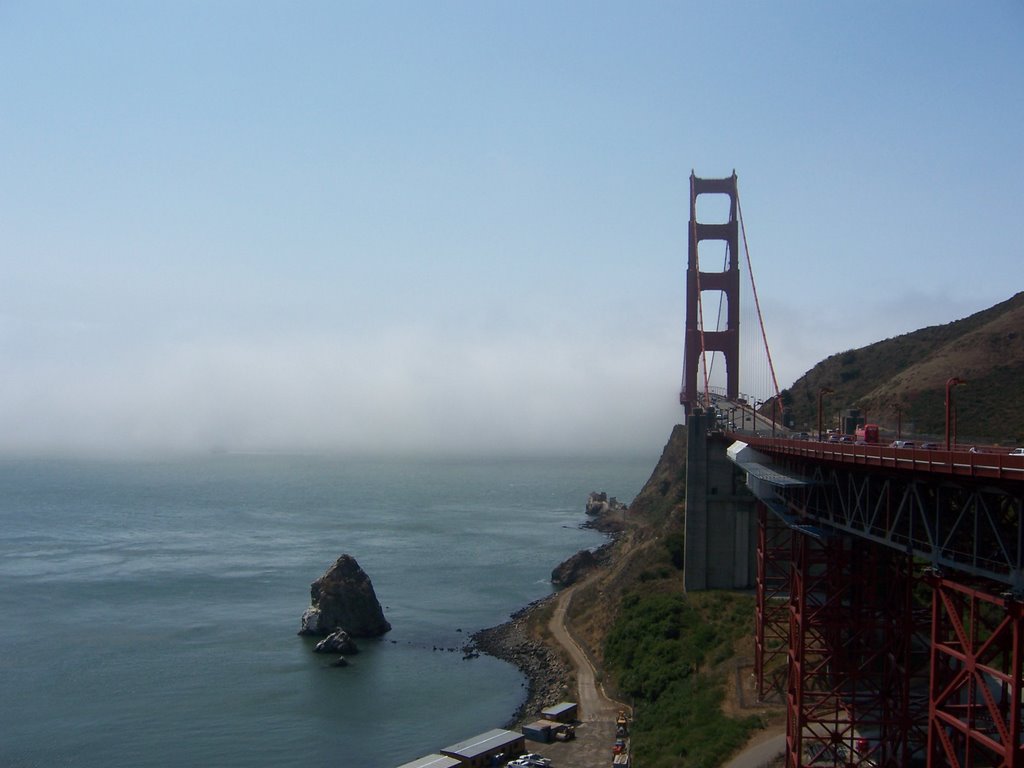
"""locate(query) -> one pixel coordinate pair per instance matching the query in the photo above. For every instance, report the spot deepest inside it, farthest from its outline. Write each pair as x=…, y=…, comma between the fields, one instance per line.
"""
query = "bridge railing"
x=930, y=460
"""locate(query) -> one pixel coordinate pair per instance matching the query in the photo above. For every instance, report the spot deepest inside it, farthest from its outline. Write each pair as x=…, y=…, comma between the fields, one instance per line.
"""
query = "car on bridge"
x=1017, y=452
x=902, y=444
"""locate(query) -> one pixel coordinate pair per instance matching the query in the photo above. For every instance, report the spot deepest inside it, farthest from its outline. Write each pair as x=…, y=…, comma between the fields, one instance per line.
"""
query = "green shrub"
x=661, y=648
x=675, y=543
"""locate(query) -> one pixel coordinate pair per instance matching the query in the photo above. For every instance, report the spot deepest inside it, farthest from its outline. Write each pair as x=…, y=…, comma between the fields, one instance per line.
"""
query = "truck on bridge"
x=867, y=434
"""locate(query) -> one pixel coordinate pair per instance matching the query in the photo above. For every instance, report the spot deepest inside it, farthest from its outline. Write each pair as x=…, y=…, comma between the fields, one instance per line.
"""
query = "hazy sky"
x=461, y=226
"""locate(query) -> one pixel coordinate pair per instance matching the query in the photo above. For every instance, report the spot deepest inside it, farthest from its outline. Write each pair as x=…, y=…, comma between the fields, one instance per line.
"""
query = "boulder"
x=570, y=571
x=579, y=566
x=343, y=598
x=337, y=642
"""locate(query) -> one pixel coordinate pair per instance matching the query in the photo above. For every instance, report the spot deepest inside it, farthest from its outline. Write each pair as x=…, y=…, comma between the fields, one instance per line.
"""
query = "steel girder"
x=975, y=527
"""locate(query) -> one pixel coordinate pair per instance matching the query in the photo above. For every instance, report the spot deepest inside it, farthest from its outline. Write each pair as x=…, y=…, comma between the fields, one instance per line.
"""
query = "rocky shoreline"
x=546, y=672
x=547, y=675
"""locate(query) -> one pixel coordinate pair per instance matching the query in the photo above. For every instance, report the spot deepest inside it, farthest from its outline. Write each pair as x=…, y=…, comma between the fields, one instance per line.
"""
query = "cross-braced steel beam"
x=849, y=690
x=771, y=641
x=976, y=681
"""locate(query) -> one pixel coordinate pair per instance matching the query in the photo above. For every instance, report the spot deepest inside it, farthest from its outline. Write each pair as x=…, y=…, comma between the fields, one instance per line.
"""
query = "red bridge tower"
x=698, y=340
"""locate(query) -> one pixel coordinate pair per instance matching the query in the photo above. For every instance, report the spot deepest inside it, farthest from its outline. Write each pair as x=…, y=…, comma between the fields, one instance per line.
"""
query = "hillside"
x=682, y=658
x=904, y=378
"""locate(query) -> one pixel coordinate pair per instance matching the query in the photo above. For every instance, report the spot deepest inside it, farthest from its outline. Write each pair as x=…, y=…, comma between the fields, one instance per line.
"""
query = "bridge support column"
x=720, y=527
x=848, y=690
x=771, y=638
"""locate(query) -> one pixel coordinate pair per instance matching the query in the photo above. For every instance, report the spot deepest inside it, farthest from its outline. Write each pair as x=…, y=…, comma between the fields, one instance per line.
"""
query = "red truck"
x=867, y=434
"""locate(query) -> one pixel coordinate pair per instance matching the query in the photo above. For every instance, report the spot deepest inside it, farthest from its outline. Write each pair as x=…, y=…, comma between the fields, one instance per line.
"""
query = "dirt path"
x=595, y=733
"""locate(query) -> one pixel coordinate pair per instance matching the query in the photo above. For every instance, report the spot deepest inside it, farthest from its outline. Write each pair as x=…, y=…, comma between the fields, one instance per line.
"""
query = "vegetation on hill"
x=901, y=382
x=668, y=651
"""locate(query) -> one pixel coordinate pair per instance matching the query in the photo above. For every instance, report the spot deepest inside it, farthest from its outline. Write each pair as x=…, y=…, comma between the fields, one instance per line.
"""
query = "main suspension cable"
x=757, y=303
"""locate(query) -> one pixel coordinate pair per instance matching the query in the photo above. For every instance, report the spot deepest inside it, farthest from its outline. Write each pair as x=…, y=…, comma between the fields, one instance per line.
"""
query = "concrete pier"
x=721, y=524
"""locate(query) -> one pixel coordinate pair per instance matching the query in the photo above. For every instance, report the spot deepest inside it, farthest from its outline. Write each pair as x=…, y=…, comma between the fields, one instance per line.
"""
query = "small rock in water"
x=337, y=642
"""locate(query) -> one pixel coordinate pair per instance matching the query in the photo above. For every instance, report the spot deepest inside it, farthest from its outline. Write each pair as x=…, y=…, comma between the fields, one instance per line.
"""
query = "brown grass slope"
x=904, y=378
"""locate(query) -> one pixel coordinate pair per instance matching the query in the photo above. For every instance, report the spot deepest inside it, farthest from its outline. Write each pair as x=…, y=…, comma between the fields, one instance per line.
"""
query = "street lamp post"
x=821, y=393
x=952, y=382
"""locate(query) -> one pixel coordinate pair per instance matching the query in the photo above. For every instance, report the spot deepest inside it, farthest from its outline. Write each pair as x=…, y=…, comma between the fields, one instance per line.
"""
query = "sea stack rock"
x=343, y=598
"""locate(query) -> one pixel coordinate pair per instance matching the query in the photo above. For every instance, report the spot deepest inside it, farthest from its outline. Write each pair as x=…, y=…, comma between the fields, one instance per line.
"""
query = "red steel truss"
x=975, y=692
x=851, y=660
x=867, y=686
x=771, y=639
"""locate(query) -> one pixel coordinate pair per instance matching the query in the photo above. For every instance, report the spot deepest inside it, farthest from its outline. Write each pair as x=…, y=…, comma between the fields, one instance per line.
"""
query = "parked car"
x=531, y=760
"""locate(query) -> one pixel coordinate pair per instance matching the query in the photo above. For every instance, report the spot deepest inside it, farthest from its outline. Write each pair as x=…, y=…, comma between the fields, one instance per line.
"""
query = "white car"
x=531, y=760
x=1017, y=452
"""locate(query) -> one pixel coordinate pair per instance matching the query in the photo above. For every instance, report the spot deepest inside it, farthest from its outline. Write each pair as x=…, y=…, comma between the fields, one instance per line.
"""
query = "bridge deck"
x=963, y=463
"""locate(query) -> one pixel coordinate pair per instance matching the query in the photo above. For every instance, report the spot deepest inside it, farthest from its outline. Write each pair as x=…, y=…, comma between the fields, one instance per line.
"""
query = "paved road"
x=761, y=753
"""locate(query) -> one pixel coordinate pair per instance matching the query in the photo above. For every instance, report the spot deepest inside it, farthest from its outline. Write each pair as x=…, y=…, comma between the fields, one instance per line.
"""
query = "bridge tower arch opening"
x=699, y=340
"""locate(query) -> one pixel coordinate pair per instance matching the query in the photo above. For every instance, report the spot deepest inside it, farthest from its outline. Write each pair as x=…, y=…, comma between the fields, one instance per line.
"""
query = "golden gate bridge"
x=889, y=580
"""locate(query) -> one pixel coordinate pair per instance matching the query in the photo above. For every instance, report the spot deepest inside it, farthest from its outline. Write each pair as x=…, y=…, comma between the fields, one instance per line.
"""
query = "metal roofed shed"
x=540, y=730
x=480, y=751
x=432, y=761
x=564, y=712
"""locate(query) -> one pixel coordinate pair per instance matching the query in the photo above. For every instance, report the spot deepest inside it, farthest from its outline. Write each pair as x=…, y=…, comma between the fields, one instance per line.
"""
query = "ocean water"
x=149, y=609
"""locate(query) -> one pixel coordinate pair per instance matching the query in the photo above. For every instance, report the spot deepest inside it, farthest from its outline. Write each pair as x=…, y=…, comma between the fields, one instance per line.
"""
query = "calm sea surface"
x=149, y=610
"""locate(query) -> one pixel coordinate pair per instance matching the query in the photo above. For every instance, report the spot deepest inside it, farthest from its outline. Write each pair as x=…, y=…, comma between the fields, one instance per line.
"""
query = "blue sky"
x=461, y=227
